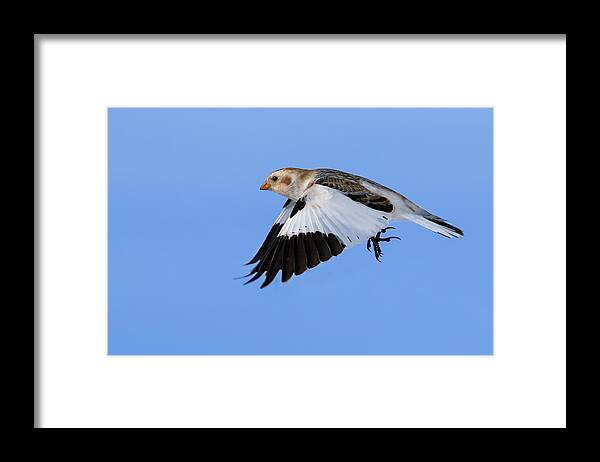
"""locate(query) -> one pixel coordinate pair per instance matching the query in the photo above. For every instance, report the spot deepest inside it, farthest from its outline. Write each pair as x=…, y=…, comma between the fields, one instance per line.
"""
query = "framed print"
x=166, y=163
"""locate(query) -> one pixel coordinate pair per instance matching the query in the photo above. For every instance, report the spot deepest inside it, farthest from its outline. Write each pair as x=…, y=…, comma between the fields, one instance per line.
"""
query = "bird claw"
x=388, y=239
x=377, y=239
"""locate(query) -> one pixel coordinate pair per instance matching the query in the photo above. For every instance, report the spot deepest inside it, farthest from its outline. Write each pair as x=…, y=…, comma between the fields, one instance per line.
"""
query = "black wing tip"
x=315, y=248
x=254, y=278
x=267, y=282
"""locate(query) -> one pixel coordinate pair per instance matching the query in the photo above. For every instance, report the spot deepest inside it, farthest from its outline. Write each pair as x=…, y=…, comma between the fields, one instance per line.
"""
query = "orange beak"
x=264, y=186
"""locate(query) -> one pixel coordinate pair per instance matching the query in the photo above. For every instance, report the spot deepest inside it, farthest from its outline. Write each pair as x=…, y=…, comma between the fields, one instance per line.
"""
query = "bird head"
x=289, y=182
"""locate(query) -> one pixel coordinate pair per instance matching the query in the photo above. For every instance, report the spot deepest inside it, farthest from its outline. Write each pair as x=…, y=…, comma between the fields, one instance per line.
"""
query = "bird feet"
x=377, y=239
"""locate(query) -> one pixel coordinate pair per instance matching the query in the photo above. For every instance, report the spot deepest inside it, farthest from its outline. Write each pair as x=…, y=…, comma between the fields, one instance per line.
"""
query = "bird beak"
x=264, y=186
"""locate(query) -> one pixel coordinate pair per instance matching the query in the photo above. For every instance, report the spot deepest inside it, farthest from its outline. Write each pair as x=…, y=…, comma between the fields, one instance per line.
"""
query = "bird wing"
x=281, y=219
x=353, y=188
x=320, y=225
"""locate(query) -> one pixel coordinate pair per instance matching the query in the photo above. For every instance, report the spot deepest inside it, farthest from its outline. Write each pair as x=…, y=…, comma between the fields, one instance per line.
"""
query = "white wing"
x=320, y=225
x=329, y=211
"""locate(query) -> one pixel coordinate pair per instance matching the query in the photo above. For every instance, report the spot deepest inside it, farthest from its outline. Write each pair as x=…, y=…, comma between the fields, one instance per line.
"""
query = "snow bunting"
x=327, y=211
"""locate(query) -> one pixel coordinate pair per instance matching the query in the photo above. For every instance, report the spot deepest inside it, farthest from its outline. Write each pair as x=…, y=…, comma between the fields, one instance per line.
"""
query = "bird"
x=327, y=211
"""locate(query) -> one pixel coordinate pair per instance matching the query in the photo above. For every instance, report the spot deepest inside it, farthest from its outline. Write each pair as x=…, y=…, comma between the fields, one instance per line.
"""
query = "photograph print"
x=300, y=231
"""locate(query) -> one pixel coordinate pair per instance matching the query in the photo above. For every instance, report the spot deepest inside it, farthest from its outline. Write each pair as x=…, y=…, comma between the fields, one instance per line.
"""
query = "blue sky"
x=185, y=214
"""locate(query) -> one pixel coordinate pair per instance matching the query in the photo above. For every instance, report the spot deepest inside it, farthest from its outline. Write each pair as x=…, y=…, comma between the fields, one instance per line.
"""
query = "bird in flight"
x=327, y=211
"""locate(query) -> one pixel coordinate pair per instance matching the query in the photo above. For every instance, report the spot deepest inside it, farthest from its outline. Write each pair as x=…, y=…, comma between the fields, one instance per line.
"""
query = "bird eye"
x=274, y=178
